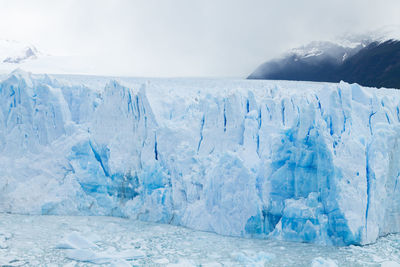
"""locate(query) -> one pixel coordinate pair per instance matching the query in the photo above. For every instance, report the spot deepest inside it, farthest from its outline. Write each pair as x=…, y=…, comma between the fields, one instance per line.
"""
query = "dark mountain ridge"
x=376, y=64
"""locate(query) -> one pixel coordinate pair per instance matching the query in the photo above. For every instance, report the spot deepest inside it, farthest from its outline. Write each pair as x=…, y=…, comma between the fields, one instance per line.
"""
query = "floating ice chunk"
x=3, y=242
x=390, y=264
x=323, y=262
x=10, y=261
x=182, y=263
x=130, y=254
x=75, y=241
x=108, y=256
x=161, y=261
x=84, y=255
x=258, y=259
x=120, y=263
x=211, y=264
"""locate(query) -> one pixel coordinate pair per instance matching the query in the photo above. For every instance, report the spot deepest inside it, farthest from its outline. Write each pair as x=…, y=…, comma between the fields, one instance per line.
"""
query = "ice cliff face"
x=298, y=161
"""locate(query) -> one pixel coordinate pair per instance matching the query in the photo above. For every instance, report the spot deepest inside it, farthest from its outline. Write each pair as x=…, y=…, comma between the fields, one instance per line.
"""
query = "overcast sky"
x=184, y=37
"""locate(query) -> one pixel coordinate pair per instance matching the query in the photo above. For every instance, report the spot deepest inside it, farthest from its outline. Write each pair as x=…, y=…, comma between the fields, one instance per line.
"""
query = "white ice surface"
x=321, y=262
x=75, y=241
x=32, y=241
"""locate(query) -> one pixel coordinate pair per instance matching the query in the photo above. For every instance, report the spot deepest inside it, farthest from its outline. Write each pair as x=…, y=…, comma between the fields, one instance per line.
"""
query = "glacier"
x=296, y=161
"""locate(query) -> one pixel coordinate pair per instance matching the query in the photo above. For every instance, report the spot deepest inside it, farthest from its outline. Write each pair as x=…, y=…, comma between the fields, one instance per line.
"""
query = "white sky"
x=184, y=37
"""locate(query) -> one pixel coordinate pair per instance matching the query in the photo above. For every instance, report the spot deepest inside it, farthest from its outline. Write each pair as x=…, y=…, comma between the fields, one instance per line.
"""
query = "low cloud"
x=185, y=38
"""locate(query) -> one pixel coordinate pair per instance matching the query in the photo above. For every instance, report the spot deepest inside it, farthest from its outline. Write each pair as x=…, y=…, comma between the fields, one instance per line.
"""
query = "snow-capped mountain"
x=309, y=162
x=319, y=51
x=370, y=60
x=23, y=55
x=14, y=52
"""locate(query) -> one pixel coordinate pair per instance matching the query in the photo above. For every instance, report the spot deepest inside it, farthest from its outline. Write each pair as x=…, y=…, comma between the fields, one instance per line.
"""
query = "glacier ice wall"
x=309, y=162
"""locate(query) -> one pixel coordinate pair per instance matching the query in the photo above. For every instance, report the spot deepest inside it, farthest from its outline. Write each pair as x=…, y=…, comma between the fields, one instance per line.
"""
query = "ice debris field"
x=293, y=161
x=30, y=240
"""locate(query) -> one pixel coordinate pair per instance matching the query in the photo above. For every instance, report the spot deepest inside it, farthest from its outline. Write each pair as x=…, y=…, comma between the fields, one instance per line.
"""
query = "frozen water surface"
x=30, y=240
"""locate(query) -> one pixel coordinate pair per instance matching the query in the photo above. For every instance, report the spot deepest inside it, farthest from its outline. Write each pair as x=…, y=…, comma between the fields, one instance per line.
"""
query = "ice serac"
x=308, y=162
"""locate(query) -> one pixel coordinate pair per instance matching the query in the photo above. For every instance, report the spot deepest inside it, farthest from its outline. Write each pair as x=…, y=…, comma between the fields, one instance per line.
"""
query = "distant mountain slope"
x=374, y=64
x=14, y=52
x=17, y=54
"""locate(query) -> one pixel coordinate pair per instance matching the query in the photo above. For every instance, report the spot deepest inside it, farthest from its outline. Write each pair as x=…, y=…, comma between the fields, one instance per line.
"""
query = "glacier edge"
x=308, y=162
